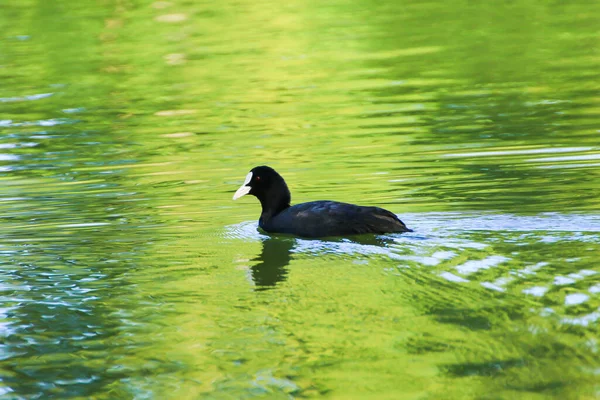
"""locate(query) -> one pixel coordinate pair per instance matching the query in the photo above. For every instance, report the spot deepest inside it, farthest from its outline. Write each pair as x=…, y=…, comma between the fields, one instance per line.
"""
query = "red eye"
x=258, y=178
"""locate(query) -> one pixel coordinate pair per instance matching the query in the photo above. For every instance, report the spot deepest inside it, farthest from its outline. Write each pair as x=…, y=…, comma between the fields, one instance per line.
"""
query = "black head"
x=268, y=186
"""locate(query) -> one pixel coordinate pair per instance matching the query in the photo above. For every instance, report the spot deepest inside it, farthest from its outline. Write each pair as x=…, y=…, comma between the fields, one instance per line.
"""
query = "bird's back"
x=331, y=218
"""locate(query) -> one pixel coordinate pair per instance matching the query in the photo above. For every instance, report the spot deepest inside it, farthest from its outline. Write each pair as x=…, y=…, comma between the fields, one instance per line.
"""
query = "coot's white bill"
x=243, y=190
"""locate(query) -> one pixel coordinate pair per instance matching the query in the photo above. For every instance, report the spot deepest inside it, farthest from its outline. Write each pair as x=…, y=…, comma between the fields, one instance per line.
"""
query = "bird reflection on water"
x=272, y=263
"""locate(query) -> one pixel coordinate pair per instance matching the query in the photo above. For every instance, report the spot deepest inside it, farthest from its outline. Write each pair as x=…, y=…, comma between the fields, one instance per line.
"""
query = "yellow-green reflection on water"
x=127, y=272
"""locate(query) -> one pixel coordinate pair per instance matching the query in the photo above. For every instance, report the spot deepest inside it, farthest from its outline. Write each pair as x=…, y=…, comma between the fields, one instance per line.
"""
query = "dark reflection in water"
x=276, y=254
x=271, y=264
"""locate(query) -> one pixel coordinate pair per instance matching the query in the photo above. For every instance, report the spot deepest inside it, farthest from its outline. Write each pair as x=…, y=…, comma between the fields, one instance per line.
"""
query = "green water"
x=126, y=271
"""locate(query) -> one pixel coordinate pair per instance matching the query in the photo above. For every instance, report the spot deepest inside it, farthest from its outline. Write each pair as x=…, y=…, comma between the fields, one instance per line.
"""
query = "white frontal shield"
x=243, y=190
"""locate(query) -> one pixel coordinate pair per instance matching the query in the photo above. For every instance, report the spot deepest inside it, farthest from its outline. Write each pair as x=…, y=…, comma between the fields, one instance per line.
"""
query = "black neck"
x=276, y=200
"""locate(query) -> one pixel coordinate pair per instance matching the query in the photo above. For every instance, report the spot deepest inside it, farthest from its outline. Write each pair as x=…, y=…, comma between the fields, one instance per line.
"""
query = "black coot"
x=316, y=218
